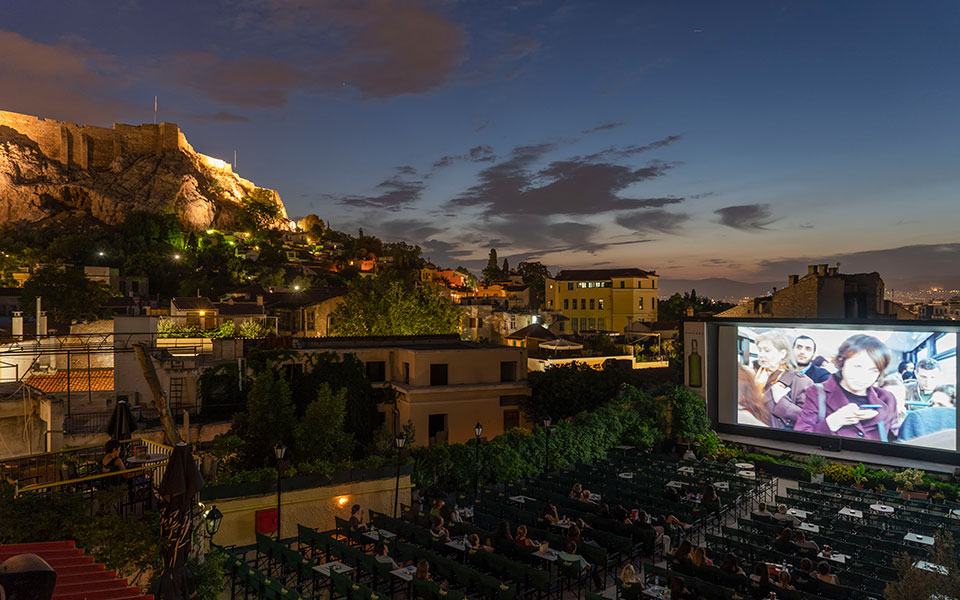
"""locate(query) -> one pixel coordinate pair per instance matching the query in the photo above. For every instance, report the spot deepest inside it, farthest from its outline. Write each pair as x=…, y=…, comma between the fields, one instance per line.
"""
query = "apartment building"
x=602, y=300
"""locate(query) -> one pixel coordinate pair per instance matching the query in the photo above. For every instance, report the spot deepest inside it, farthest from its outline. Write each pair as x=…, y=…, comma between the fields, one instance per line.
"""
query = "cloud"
x=746, y=217
x=406, y=170
x=381, y=48
x=476, y=154
x=633, y=149
x=394, y=193
x=68, y=81
x=481, y=126
x=604, y=127
x=645, y=221
x=575, y=186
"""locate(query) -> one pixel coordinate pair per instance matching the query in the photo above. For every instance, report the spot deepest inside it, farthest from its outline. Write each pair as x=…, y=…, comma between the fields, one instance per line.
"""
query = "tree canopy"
x=675, y=307
x=392, y=305
x=67, y=294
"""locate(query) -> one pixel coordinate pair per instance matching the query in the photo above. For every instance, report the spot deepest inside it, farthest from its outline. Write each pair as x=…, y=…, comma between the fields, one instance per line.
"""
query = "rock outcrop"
x=52, y=172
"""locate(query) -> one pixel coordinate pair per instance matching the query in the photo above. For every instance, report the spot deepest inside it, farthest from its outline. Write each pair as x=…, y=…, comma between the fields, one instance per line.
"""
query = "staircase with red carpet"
x=78, y=577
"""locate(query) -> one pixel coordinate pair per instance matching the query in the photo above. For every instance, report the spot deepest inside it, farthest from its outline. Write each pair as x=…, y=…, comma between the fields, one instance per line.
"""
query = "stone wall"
x=90, y=147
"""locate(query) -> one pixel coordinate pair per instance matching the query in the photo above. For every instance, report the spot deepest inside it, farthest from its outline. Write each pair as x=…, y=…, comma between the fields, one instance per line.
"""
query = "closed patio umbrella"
x=178, y=490
x=121, y=425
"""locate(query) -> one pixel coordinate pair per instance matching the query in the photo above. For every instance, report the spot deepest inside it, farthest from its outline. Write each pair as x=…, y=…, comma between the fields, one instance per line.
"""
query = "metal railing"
x=72, y=465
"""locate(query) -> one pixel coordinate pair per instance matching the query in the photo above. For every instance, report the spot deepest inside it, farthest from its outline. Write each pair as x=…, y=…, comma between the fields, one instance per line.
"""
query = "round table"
x=626, y=475
x=146, y=459
x=747, y=474
x=744, y=466
x=881, y=508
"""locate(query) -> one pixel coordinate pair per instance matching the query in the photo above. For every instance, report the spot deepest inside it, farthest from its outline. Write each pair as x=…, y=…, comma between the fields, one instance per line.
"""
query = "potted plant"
x=815, y=466
x=859, y=474
x=880, y=488
x=909, y=479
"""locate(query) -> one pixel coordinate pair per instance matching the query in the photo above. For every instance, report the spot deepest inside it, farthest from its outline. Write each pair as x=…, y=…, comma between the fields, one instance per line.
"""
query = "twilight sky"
x=700, y=139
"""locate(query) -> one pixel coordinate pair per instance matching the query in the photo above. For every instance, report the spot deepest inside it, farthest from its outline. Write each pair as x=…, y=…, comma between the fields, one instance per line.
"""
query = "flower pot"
x=913, y=494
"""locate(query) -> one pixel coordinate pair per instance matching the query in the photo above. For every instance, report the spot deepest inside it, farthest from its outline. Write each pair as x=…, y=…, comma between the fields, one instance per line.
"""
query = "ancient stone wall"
x=90, y=147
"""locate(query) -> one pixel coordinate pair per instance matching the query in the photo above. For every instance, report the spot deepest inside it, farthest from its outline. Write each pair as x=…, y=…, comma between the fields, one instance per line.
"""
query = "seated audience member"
x=628, y=575
x=570, y=555
x=604, y=512
x=582, y=524
x=784, y=541
x=522, y=538
x=437, y=510
x=682, y=552
x=760, y=584
x=824, y=574
x=449, y=515
x=575, y=491
x=473, y=542
x=783, y=580
x=438, y=533
x=382, y=554
x=573, y=534
x=585, y=497
x=800, y=539
x=679, y=590
x=698, y=556
x=805, y=577
x=111, y=461
x=762, y=510
x=423, y=571
x=731, y=565
x=710, y=500
x=548, y=515
x=356, y=519
x=781, y=515
x=502, y=534
x=621, y=516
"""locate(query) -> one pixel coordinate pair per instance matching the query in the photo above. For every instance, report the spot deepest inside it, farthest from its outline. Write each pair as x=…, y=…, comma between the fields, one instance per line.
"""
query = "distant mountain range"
x=717, y=288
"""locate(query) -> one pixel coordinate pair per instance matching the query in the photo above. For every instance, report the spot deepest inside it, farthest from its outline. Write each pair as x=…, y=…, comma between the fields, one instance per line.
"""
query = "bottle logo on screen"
x=695, y=366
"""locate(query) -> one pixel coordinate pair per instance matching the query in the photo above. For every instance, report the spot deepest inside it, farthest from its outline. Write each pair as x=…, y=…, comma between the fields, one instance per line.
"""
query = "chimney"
x=833, y=271
x=811, y=269
x=823, y=269
x=689, y=311
x=774, y=290
x=260, y=300
x=792, y=279
x=17, y=324
x=42, y=324
x=39, y=313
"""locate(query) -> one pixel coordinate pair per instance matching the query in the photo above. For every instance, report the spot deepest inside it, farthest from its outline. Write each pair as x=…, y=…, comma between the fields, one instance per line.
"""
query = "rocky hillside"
x=36, y=189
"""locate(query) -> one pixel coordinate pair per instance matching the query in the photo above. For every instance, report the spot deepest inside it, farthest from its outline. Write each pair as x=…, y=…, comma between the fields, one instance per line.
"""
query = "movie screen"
x=889, y=386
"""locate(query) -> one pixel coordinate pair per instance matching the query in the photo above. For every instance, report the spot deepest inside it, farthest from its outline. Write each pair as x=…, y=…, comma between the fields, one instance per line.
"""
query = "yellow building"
x=602, y=299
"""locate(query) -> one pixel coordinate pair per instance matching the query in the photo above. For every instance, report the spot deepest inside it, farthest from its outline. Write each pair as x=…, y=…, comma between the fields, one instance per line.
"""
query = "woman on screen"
x=751, y=407
x=851, y=403
x=782, y=386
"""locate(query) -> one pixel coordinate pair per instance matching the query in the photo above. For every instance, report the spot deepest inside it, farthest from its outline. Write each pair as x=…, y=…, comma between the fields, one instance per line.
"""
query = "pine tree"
x=505, y=269
x=491, y=272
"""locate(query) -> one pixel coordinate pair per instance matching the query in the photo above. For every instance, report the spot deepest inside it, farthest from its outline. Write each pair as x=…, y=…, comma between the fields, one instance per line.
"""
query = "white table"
x=594, y=497
x=882, y=508
x=747, y=474
x=932, y=567
x=522, y=499
x=562, y=524
x=335, y=566
x=656, y=591
x=809, y=527
x=404, y=573
x=674, y=484
x=744, y=466
x=549, y=555
x=916, y=538
x=625, y=475
x=685, y=470
x=721, y=485
x=800, y=514
x=852, y=513
x=624, y=447
x=457, y=545
x=955, y=513
x=376, y=534
x=835, y=557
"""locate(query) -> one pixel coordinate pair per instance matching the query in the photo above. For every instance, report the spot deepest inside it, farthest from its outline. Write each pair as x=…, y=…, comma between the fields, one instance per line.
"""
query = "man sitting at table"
x=382, y=555
x=800, y=539
x=570, y=555
x=781, y=515
x=438, y=533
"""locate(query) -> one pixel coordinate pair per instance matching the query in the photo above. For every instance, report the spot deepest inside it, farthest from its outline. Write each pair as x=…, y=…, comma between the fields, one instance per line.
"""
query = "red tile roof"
x=100, y=380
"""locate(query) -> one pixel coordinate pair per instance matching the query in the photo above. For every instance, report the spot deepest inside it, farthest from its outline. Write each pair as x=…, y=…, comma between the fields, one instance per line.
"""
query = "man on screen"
x=805, y=350
x=920, y=391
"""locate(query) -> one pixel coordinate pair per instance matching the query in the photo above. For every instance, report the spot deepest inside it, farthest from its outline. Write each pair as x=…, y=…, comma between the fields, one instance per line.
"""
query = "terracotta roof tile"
x=101, y=380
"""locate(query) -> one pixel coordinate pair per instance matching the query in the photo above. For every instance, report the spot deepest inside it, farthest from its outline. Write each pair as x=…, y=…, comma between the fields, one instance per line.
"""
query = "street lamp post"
x=279, y=450
x=546, y=437
x=211, y=521
x=478, y=431
x=400, y=440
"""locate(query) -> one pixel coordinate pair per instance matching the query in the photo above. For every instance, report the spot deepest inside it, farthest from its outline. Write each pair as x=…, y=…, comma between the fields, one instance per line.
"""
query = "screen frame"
x=720, y=386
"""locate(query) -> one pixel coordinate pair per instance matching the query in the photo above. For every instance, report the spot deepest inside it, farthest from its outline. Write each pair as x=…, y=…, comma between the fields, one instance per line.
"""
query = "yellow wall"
x=621, y=305
x=314, y=507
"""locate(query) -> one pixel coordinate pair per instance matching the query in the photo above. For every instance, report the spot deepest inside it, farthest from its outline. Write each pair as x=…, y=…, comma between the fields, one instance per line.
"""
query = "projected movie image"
x=881, y=385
